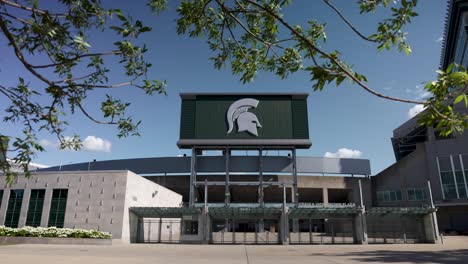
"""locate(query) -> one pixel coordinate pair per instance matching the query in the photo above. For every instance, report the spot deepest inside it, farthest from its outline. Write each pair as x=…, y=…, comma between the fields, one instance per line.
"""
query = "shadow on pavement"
x=391, y=256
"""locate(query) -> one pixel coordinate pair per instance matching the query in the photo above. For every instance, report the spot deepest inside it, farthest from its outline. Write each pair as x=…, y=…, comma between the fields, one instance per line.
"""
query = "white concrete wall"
x=98, y=200
x=95, y=198
x=140, y=193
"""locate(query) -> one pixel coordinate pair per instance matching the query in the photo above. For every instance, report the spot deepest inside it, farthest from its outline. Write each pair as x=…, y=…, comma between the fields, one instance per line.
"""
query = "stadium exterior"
x=271, y=196
x=422, y=155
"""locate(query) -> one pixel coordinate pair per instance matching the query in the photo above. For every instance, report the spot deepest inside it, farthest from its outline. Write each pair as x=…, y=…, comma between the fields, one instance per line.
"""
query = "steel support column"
x=294, y=171
x=193, y=173
x=295, y=192
x=260, y=177
x=227, y=193
x=260, y=223
x=435, y=225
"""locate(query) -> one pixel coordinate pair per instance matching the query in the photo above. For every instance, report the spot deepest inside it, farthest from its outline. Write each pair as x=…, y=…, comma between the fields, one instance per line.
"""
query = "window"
x=453, y=175
x=416, y=194
x=57, y=207
x=14, y=208
x=190, y=227
x=1, y=197
x=448, y=184
x=388, y=196
x=36, y=202
x=461, y=48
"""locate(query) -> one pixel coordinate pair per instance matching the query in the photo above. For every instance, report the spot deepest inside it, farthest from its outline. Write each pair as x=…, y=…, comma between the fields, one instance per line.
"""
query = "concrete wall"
x=325, y=183
x=95, y=199
x=98, y=200
x=142, y=192
x=409, y=172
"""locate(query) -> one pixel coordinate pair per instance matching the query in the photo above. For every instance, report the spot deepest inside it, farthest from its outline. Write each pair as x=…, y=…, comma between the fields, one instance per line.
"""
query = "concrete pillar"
x=284, y=228
x=360, y=228
x=46, y=208
x=283, y=232
x=193, y=175
x=204, y=226
x=429, y=229
x=325, y=197
x=24, y=207
x=227, y=192
x=4, y=205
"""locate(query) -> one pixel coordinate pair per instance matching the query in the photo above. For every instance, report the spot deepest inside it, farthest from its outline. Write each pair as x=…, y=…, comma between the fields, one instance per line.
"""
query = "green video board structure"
x=268, y=120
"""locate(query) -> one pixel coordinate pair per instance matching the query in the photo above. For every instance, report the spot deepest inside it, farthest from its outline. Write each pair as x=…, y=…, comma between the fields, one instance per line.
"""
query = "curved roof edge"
x=216, y=164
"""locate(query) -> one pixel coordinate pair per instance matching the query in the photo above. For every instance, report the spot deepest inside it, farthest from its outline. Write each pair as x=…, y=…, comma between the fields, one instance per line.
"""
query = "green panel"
x=274, y=114
x=280, y=116
x=300, y=120
x=187, y=120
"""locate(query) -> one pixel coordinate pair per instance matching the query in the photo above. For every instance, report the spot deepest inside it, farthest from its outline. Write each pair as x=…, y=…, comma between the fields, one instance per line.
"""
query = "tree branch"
x=90, y=117
x=13, y=4
x=115, y=52
x=16, y=18
x=348, y=22
x=328, y=56
x=19, y=54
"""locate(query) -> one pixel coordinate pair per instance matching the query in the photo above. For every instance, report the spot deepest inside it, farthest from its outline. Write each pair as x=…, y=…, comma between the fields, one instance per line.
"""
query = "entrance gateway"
x=264, y=198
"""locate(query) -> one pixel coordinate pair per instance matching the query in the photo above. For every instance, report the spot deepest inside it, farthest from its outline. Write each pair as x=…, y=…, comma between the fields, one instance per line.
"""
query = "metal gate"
x=160, y=230
x=244, y=231
x=395, y=229
x=321, y=231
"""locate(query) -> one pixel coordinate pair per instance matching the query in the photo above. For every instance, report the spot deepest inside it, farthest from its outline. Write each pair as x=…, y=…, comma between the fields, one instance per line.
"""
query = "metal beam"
x=249, y=183
x=260, y=177
x=296, y=192
x=192, y=177
x=227, y=192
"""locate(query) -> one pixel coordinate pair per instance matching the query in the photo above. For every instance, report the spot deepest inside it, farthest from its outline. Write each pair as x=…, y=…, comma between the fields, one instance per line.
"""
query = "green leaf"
x=449, y=68
x=459, y=98
x=408, y=50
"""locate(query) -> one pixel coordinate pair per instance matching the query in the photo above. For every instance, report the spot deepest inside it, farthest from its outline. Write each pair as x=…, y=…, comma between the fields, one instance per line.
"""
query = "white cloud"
x=47, y=143
x=388, y=86
x=419, y=93
x=92, y=143
x=439, y=39
x=344, y=153
x=413, y=111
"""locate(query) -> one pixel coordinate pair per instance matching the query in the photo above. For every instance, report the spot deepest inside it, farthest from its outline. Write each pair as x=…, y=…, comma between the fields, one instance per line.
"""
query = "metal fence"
x=321, y=231
x=395, y=229
x=160, y=230
x=239, y=231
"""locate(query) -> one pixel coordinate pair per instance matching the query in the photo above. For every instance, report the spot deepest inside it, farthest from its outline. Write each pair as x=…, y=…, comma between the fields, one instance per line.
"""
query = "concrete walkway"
x=453, y=251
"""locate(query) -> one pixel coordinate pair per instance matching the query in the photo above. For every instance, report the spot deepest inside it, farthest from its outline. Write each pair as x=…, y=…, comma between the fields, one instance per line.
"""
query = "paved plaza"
x=455, y=250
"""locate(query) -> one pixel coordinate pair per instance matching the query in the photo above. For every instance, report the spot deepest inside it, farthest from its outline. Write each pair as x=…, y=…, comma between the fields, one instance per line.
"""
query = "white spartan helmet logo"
x=246, y=121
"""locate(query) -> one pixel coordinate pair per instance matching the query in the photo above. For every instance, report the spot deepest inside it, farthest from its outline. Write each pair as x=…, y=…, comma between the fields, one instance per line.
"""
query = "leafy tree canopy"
x=247, y=35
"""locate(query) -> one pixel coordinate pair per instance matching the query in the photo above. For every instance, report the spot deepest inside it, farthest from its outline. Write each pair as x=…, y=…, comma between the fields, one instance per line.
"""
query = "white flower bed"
x=28, y=231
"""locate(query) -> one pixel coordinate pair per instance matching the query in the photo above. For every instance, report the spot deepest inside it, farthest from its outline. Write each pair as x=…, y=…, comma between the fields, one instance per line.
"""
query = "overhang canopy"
x=400, y=210
x=164, y=212
x=305, y=213
x=245, y=212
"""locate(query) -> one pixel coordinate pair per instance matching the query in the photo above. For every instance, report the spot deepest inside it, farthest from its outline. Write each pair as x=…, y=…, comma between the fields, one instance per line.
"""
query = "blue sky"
x=343, y=117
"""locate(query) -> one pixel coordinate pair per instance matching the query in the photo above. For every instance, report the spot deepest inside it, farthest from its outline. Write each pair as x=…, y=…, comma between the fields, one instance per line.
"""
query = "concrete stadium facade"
x=227, y=197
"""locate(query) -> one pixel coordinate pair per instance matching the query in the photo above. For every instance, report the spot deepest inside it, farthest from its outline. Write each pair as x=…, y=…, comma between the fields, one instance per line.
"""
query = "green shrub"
x=28, y=231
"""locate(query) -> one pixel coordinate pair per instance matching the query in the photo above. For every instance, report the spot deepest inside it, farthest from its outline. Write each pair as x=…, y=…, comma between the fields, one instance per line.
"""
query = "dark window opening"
x=57, y=208
x=190, y=227
x=36, y=203
x=14, y=208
